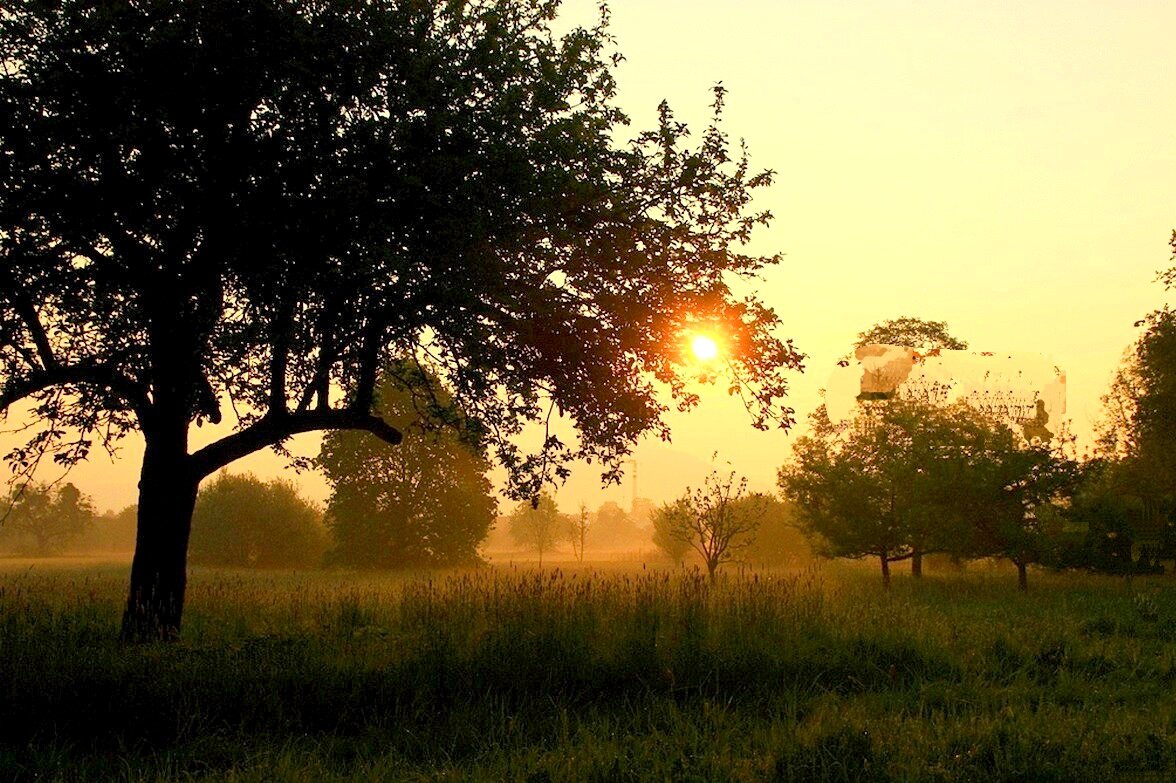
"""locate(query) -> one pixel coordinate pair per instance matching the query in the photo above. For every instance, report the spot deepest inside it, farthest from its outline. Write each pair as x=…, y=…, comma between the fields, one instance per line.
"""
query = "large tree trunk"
x=159, y=572
x=917, y=564
x=1022, y=576
x=885, y=571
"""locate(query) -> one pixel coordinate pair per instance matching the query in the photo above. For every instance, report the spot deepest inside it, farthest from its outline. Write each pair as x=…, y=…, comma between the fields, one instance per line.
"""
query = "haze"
x=1006, y=167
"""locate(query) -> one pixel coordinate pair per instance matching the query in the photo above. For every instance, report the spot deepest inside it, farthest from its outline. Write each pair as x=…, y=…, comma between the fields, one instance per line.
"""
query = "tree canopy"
x=717, y=519
x=244, y=522
x=912, y=332
x=907, y=477
x=241, y=210
x=427, y=501
x=924, y=337
x=44, y=520
x=537, y=524
x=1137, y=431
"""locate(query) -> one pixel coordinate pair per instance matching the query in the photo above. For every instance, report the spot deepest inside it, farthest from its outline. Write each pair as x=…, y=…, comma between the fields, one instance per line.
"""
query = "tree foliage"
x=1013, y=496
x=718, y=519
x=44, y=520
x=867, y=487
x=244, y=522
x=923, y=336
x=909, y=477
x=1137, y=430
x=249, y=207
x=668, y=519
x=427, y=501
x=537, y=525
x=778, y=540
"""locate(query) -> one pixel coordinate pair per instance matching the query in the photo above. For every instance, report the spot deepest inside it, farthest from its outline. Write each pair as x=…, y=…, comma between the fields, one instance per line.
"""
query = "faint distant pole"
x=633, y=500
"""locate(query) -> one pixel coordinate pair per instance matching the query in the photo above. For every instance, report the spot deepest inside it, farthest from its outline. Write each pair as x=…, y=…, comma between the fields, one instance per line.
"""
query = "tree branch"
x=25, y=310
x=104, y=376
x=281, y=328
x=273, y=428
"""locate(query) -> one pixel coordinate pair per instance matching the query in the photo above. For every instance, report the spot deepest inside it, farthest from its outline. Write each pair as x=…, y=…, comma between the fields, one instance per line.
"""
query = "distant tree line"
x=43, y=520
x=902, y=479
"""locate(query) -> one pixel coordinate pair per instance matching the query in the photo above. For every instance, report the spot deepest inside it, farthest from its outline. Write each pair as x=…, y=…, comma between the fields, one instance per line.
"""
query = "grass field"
x=594, y=674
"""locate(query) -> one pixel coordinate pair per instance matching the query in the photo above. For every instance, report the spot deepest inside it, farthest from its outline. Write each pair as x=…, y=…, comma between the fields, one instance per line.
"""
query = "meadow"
x=592, y=674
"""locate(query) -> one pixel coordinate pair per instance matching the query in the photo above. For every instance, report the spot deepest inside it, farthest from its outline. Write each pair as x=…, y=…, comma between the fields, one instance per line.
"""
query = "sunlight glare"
x=704, y=348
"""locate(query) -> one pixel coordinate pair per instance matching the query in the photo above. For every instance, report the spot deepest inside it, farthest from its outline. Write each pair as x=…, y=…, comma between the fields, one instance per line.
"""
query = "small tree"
x=925, y=337
x=244, y=522
x=536, y=526
x=43, y=520
x=1010, y=493
x=578, y=527
x=717, y=519
x=881, y=485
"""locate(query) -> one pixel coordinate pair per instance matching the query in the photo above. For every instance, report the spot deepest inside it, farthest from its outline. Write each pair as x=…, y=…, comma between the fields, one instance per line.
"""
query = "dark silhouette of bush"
x=243, y=521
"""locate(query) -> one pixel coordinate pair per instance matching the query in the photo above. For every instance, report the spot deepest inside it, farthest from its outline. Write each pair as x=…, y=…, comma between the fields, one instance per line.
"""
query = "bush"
x=244, y=522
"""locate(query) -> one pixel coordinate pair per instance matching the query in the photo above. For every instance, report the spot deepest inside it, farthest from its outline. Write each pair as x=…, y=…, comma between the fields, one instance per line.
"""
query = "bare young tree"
x=578, y=531
x=717, y=519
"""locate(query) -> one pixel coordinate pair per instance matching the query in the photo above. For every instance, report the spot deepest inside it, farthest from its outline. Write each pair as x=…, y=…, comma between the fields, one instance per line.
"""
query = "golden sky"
x=1008, y=167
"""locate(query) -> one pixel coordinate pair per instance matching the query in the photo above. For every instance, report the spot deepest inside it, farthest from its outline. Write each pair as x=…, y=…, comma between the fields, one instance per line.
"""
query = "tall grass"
x=524, y=674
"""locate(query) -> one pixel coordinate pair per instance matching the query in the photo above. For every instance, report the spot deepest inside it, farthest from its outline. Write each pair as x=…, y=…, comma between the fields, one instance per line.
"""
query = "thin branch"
x=103, y=376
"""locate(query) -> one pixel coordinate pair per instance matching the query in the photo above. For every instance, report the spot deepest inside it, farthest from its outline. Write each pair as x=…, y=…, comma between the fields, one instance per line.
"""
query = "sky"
x=1007, y=167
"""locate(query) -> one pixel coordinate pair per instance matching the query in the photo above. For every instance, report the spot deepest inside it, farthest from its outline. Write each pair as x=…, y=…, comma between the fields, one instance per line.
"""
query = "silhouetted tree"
x=250, y=206
x=245, y=522
x=913, y=477
x=537, y=525
x=44, y=520
x=1011, y=493
x=925, y=337
x=882, y=484
x=1137, y=433
x=717, y=519
x=427, y=501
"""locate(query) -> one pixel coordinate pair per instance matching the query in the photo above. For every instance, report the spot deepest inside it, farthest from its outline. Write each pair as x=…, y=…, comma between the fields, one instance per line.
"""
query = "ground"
x=626, y=672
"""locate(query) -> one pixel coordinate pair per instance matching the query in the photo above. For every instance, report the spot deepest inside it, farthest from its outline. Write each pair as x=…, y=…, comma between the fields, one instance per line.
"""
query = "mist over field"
x=544, y=390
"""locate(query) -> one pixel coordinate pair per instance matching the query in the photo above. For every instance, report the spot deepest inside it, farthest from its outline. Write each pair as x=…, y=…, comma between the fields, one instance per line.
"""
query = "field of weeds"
x=620, y=674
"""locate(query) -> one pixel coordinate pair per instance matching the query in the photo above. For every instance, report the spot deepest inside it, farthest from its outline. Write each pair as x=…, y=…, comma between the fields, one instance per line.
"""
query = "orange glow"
x=704, y=347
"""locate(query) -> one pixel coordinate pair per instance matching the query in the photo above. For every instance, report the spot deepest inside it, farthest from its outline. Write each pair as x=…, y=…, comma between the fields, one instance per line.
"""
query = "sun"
x=704, y=347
